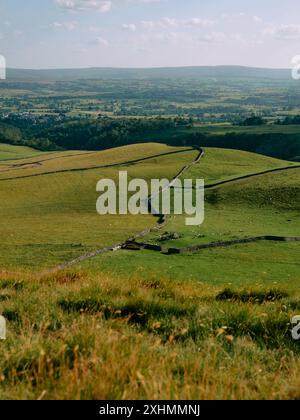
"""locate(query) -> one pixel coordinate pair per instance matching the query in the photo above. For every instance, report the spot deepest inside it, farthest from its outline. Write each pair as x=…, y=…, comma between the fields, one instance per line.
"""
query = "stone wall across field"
x=233, y=242
x=133, y=245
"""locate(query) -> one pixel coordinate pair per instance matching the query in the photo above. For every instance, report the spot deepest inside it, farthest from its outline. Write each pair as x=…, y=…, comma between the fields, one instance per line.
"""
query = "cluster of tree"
x=289, y=120
x=278, y=145
x=104, y=132
x=253, y=121
x=90, y=134
x=14, y=135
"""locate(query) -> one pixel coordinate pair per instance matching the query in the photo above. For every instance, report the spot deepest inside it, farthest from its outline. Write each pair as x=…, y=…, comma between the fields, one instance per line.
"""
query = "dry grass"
x=80, y=336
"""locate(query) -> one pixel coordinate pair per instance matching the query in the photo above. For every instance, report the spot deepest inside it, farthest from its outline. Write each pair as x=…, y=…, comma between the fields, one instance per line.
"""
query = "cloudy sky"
x=148, y=33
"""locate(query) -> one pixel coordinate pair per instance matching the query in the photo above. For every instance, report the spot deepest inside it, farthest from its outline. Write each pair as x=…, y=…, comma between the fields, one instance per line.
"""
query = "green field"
x=48, y=211
x=208, y=94
x=264, y=129
x=68, y=161
x=10, y=152
x=213, y=324
x=266, y=204
x=224, y=164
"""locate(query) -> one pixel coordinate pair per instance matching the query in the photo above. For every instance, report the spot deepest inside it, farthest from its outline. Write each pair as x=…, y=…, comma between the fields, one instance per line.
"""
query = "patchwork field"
x=214, y=324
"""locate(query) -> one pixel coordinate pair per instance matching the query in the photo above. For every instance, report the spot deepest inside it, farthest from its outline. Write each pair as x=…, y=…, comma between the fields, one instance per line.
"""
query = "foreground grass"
x=75, y=335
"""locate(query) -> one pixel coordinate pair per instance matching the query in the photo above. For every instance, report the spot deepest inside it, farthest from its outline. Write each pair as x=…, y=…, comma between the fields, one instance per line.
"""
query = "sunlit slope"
x=277, y=190
x=10, y=152
x=68, y=160
x=263, y=204
x=47, y=219
x=223, y=164
x=268, y=204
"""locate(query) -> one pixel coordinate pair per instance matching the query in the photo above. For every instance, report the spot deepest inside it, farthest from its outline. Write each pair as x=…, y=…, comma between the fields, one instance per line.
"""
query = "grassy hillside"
x=48, y=211
x=77, y=160
x=10, y=152
x=214, y=324
x=261, y=205
x=222, y=164
x=51, y=218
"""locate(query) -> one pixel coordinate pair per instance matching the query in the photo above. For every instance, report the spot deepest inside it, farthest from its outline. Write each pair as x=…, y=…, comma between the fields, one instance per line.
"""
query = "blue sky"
x=148, y=33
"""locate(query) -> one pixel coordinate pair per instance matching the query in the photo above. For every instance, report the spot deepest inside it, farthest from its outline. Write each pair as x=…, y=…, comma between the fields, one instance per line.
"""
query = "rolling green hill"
x=213, y=324
x=10, y=152
x=222, y=164
x=223, y=72
x=48, y=213
x=261, y=205
x=66, y=161
x=279, y=143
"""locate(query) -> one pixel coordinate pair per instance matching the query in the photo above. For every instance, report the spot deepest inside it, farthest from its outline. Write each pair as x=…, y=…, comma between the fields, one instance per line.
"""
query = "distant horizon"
x=149, y=67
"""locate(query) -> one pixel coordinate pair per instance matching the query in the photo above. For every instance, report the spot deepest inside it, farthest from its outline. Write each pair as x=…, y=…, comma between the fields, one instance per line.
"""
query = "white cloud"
x=129, y=27
x=161, y=23
x=234, y=17
x=147, y=1
x=199, y=22
x=99, y=5
x=177, y=23
x=99, y=41
x=213, y=37
x=17, y=33
x=148, y=24
x=167, y=38
x=78, y=5
x=69, y=26
x=168, y=22
x=288, y=32
x=95, y=29
x=284, y=31
x=257, y=19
